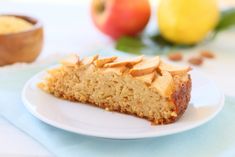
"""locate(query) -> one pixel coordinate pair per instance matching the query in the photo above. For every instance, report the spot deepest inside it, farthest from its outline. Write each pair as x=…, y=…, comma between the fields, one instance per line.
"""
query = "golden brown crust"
x=181, y=97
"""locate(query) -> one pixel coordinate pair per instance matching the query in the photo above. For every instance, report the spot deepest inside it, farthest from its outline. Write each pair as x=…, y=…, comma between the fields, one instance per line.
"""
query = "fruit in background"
x=187, y=21
x=117, y=18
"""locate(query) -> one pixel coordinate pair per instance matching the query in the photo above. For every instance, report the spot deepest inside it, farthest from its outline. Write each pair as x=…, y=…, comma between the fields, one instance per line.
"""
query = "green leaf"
x=138, y=45
x=133, y=45
x=145, y=44
x=227, y=20
x=160, y=41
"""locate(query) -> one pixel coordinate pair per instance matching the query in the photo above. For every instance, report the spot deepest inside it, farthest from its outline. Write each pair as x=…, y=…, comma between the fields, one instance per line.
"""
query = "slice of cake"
x=145, y=87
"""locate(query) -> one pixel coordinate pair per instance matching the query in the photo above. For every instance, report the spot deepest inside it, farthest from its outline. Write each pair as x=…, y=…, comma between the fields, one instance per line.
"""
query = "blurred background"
x=70, y=27
x=204, y=39
x=222, y=2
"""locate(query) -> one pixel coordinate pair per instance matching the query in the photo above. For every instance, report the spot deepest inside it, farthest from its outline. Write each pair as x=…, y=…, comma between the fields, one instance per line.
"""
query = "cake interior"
x=111, y=91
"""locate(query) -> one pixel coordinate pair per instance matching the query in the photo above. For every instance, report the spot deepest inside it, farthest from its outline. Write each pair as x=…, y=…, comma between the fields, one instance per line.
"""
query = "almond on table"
x=197, y=60
x=207, y=54
x=175, y=56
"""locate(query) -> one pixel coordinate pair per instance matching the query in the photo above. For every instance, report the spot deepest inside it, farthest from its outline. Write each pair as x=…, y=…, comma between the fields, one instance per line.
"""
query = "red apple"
x=120, y=17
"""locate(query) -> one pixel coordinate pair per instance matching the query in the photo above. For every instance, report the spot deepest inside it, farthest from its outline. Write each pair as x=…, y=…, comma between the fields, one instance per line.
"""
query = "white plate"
x=84, y=119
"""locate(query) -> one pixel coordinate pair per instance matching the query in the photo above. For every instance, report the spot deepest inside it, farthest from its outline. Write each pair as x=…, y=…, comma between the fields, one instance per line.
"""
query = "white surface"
x=206, y=102
x=10, y=143
x=68, y=29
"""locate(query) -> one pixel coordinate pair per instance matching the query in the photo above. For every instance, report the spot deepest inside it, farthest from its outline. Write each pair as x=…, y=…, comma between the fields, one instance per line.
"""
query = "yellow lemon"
x=187, y=21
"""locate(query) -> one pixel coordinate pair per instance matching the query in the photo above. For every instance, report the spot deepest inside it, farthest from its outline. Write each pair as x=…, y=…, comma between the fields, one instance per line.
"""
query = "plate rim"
x=79, y=131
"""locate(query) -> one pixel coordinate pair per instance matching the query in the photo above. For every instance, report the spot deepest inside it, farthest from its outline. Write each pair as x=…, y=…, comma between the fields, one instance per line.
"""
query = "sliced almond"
x=174, y=70
x=103, y=61
x=89, y=60
x=117, y=70
x=148, y=79
x=145, y=67
x=164, y=84
x=125, y=62
x=70, y=60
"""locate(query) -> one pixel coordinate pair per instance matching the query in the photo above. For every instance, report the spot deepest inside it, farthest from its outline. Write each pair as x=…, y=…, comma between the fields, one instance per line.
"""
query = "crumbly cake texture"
x=145, y=87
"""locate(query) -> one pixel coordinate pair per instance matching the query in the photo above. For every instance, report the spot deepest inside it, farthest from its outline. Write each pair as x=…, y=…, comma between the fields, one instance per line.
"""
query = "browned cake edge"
x=181, y=98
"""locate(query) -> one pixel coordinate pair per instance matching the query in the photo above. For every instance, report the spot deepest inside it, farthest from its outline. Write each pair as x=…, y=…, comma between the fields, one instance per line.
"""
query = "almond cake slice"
x=145, y=87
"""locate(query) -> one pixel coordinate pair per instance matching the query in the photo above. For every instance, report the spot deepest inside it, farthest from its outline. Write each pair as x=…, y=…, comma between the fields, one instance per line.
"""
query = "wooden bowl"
x=23, y=46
